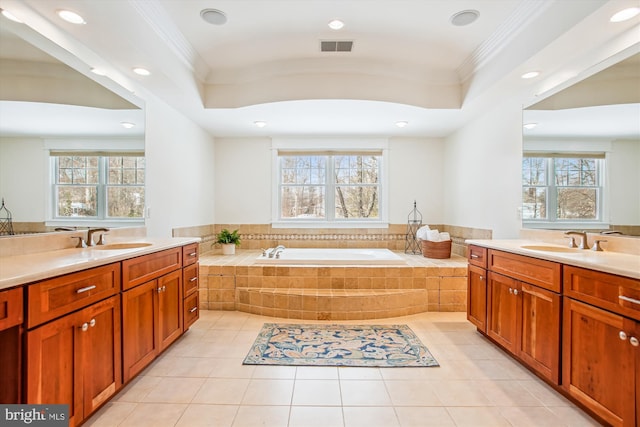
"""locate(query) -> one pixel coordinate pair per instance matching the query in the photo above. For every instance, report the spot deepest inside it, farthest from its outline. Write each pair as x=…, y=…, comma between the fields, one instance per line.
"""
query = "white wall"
x=624, y=182
x=23, y=178
x=483, y=162
x=243, y=176
x=180, y=180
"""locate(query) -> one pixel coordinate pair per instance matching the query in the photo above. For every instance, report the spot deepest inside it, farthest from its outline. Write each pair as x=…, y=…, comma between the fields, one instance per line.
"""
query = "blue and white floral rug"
x=339, y=345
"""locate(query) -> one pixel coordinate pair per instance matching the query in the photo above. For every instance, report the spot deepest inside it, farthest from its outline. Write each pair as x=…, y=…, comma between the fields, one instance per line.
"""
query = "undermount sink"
x=115, y=246
x=546, y=248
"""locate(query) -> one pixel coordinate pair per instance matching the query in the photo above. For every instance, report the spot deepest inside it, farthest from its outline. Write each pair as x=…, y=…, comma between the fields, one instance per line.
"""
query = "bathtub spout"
x=275, y=250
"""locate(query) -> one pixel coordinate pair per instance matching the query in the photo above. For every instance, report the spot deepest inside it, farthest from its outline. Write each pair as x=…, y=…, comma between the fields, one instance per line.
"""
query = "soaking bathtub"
x=331, y=256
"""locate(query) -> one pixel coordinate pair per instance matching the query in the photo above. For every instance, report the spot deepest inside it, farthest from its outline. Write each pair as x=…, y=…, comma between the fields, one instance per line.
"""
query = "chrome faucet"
x=584, y=244
x=90, y=233
x=276, y=250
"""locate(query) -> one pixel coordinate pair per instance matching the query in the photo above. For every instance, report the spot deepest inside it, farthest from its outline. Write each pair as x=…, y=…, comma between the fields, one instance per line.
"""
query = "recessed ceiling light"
x=260, y=123
x=127, y=125
x=625, y=14
x=213, y=16
x=402, y=123
x=141, y=71
x=530, y=74
x=336, y=24
x=71, y=17
x=98, y=71
x=10, y=16
x=464, y=17
x=529, y=125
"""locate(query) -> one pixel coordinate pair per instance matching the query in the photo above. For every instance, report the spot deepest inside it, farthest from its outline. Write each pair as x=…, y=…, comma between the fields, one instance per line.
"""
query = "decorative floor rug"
x=339, y=345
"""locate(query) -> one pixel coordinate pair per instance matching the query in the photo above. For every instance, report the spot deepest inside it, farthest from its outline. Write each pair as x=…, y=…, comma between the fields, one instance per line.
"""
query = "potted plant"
x=229, y=240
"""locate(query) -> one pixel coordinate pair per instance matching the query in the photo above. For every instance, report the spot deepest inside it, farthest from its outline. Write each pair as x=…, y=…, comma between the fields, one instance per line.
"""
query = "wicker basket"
x=438, y=250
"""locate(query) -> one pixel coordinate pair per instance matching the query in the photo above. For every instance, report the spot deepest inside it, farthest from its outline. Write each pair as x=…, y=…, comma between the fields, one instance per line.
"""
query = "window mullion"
x=330, y=189
x=101, y=187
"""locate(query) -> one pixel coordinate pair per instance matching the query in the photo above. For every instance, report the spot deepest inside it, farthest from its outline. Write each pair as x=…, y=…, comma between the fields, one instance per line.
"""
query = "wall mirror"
x=597, y=118
x=48, y=107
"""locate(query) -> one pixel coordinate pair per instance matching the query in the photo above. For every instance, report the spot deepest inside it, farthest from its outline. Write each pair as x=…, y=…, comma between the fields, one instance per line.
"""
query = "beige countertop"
x=622, y=264
x=22, y=269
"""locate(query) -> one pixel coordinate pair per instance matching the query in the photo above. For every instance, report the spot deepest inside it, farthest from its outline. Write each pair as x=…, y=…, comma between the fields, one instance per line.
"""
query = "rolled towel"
x=433, y=235
x=421, y=234
x=445, y=237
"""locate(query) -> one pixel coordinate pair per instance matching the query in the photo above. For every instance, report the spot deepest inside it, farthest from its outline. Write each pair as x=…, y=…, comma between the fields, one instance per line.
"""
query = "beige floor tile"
x=317, y=393
x=370, y=417
x=268, y=392
x=137, y=389
x=573, y=417
x=111, y=414
x=224, y=391
x=460, y=393
x=208, y=416
x=174, y=390
x=364, y=393
x=478, y=417
x=348, y=373
x=275, y=372
x=262, y=416
x=544, y=393
x=412, y=393
x=531, y=417
x=317, y=373
x=507, y=393
x=177, y=366
x=315, y=416
x=230, y=368
x=154, y=415
x=412, y=416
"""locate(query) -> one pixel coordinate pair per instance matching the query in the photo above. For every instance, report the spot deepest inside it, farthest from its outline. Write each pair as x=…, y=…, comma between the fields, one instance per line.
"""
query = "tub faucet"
x=275, y=250
x=96, y=230
x=583, y=238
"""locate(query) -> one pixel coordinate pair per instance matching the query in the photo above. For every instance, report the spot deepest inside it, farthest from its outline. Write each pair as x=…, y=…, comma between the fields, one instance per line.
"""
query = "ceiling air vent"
x=336, y=45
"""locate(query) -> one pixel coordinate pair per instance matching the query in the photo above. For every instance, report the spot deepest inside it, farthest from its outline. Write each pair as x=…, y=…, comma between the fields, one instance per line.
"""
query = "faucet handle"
x=81, y=242
x=596, y=245
x=103, y=239
x=572, y=242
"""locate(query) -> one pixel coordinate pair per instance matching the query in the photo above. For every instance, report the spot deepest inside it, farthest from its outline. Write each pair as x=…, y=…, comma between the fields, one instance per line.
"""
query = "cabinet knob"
x=515, y=292
x=634, y=341
x=622, y=335
x=92, y=322
x=85, y=326
x=160, y=289
x=511, y=291
x=481, y=277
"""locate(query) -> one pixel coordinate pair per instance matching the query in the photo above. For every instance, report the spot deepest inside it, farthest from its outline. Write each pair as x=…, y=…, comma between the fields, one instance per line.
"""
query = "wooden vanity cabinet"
x=524, y=317
x=601, y=344
x=477, y=287
x=11, y=318
x=152, y=311
x=190, y=276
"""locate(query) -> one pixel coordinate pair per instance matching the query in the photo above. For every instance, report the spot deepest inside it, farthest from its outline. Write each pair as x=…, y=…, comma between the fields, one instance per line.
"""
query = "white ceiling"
x=268, y=46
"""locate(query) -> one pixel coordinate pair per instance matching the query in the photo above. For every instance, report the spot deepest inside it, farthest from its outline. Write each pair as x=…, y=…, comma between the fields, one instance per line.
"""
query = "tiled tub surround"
x=256, y=236
x=332, y=292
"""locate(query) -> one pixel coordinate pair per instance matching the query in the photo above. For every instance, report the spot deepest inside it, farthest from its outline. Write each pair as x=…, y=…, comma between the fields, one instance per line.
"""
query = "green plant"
x=226, y=237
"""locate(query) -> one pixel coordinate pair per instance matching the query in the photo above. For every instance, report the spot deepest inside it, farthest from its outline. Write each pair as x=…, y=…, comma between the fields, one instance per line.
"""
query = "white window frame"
x=338, y=146
x=552, y=222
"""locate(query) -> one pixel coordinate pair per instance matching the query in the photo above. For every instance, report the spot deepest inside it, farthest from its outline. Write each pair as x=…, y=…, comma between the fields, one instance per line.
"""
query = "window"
x=98, y=186
x=329, y=186
x=562, y=188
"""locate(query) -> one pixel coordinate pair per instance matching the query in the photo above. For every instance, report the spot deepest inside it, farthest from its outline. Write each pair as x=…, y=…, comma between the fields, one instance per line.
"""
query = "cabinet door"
x=102, y=360
x=170, y=304
x=477, y=297
x=539, y=345
x=597, y=365
x=503, y=307
x=139, y=323
x=52, y=363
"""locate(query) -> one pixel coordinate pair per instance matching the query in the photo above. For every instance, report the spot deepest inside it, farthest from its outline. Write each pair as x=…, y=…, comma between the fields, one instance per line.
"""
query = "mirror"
x=45, y=105
x=597, y=116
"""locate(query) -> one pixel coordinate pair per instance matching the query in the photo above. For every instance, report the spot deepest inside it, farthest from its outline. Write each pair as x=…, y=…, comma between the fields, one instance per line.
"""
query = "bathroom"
x=466, y=181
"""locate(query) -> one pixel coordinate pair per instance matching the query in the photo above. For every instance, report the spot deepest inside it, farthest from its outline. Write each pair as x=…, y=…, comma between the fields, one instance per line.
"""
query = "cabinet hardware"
x=193, y=309
x=85, y=326
x=634, y=341
x=629, y=299
x=481, y=277
x=193, y=279
x=193, y=254
x=92, y=322
x=515, y=292
x=511, y=291
x=85, y=289
x=622, y=335
x=159, y=289
x=475, y=256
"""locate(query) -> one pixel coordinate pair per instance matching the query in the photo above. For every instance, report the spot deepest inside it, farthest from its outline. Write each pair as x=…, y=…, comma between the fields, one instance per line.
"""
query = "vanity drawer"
x=477, y=256
x=136, y=271
x=190, y=254
x=56, y=297
x=190, y=279
x=191, y=310
x=10, y=308
x=545, y=274
x=614, y=293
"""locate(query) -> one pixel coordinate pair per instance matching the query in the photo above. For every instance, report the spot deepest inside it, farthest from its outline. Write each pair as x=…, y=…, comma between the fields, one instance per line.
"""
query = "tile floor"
x=200, y=381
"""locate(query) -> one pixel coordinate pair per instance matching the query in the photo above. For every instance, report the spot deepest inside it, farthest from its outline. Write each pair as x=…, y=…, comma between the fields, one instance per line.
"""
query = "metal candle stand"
x=6, y=224
x=414, y=222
